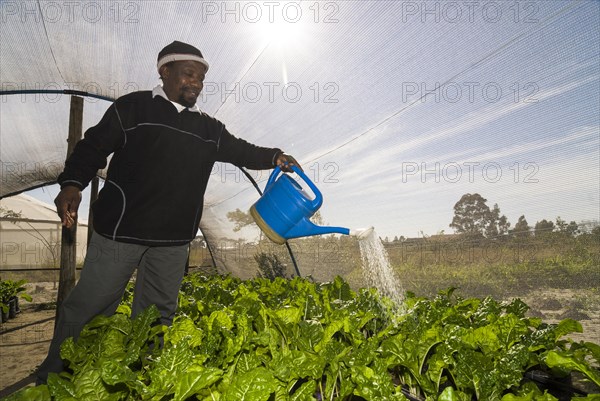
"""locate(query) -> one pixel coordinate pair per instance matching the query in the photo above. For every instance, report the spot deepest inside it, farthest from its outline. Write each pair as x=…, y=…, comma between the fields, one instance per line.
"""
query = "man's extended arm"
x=244, y=154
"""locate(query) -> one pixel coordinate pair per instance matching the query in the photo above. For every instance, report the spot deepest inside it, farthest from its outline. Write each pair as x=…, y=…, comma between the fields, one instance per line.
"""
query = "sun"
x=283, y=38
x=282, y=32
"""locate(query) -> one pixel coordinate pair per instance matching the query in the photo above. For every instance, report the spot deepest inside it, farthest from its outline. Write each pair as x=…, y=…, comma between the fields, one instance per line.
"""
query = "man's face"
x=183, y=81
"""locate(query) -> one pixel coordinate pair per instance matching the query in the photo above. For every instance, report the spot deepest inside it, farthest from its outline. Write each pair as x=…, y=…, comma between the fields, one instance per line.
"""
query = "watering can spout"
x=305, y=228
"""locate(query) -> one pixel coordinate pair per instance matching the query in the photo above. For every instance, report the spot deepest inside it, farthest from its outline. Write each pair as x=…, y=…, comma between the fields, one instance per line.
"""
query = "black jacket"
x=161, y=163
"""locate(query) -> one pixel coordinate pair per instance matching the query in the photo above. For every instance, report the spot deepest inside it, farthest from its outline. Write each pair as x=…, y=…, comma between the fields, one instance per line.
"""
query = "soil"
x=556, y=304
x=24, y=340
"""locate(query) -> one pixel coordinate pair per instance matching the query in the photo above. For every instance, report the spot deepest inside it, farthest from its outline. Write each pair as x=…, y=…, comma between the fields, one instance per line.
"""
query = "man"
x=150, y=207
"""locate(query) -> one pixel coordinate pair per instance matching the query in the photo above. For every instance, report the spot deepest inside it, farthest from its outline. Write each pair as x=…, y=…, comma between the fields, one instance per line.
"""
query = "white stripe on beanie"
x=180, y=57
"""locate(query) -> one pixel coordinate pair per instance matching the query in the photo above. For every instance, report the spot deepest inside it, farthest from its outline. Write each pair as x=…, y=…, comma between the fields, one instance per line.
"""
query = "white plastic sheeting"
x=395, y=108
x=31, y=239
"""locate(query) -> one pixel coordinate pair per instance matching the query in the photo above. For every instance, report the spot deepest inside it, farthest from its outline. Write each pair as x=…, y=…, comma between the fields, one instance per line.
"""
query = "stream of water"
x=377, y=269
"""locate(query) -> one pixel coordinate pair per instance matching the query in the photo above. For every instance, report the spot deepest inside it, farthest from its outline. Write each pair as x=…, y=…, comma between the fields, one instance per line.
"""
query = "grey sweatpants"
x=107, y=268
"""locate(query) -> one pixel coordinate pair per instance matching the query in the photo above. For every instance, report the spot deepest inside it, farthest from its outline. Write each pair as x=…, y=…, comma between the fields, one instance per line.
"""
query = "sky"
x=395, y=109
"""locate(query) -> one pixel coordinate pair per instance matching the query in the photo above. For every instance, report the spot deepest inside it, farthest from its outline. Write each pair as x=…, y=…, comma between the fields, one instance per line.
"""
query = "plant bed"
x=295, y=340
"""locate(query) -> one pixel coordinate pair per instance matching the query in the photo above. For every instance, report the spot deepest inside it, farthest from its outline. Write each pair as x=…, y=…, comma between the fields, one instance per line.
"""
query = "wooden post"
x=68, y=246
x=93, y=197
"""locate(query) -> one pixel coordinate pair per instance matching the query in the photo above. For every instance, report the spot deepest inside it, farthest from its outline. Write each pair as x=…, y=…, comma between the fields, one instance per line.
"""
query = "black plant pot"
x=4, y=315
x=12, y=308
x=17, y=307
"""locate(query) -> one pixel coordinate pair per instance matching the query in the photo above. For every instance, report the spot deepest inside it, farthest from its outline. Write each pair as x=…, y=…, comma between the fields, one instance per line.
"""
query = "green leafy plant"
x=296, y=340
x=11, y=289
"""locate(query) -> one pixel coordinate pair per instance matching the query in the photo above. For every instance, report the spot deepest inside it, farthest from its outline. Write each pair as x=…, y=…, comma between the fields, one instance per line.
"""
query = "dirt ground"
x=24, y=340
x=554, y=305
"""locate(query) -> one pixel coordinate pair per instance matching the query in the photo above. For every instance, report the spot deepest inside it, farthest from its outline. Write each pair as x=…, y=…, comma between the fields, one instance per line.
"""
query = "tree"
x=473, y=217
x=561, y=225
x=522, y=228
x=497, y=225
x=571, y=229
x=543, y=227
x=470, y=215
x=241, y=219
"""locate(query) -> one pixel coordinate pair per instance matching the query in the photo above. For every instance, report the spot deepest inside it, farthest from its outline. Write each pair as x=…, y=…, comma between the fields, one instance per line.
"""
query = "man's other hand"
x=67, y=203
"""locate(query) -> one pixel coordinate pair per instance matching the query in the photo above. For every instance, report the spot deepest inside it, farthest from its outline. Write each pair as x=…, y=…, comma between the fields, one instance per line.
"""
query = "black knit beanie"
x=179, y=51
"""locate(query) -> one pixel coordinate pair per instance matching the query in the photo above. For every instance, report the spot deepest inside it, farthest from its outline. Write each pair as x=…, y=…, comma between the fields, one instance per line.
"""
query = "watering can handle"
x=318, y=201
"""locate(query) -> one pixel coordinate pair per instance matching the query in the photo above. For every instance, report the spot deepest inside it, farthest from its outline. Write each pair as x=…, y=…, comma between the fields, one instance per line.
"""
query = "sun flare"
x=284, y=37
x=281, y=32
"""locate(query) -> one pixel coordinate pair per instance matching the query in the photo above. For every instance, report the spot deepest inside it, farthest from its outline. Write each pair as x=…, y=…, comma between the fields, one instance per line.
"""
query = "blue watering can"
x=284, y=210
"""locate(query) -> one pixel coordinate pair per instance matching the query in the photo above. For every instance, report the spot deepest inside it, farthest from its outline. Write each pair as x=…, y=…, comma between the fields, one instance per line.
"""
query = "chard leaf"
x=305, y=392
x=435, y=367
x=567, y=326
x=594, y=351
x=124, y=309
x=450, y=394
x=38, y=393
x=247, y=362
x=340, y=289
x=184, y=328
x=297, y=364
x=243, y=331
x=529, y=392
x=60, y=388
x=330, y=330
x=193, y=381
x=114, y=372
x=470, y=371
x=517, y=307
x=112, y=345
x=219, y=319
x=90, y=387
x=71, y=352
x=141, y=327
x=564, y=360
x=280, y=324
x=371, y=384
x=289, y=315
x=256, y=385
x=411, y=353
x=309, y=334
x=92, y=327
x=172, y=364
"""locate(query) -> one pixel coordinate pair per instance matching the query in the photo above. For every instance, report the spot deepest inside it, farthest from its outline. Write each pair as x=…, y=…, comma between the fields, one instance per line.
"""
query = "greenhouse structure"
x=459, y=141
